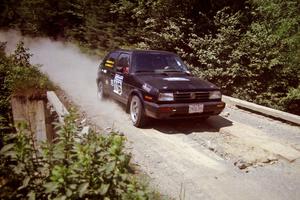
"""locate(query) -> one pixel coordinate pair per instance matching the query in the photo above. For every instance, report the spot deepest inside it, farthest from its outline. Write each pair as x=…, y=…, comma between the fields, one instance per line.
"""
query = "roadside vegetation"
x=250, y=49
x=18, y=77
x=73, y=166
x=93, y=166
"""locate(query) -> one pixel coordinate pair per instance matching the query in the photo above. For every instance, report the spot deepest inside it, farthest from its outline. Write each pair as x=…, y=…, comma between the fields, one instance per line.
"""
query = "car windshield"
x=158, y=62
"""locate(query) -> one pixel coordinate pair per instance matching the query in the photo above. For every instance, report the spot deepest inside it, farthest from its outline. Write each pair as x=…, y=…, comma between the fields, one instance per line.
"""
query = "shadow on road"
x=187, y=126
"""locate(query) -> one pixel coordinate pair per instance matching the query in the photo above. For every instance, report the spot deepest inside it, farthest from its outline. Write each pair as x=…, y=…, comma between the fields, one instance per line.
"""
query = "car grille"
x=191, y=96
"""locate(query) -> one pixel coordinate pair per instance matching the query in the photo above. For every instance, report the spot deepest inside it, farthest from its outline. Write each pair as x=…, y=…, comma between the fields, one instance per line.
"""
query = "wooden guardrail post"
x=32, y=112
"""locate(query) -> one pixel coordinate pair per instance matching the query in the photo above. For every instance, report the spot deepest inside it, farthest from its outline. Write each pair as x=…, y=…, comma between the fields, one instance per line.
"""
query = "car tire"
x=100, y=91
x=137, y=112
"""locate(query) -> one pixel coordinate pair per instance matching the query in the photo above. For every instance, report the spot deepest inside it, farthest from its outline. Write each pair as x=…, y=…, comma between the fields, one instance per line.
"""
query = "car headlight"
x=165, y=97
x=215, y=95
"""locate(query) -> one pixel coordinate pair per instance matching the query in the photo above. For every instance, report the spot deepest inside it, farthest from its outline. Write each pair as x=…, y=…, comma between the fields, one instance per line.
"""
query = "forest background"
x=250, y=49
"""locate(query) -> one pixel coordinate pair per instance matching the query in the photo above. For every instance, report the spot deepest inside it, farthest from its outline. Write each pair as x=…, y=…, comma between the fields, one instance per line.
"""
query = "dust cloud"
x=69, y=68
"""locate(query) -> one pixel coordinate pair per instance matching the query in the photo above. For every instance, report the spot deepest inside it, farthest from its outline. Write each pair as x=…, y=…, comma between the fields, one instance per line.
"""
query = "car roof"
x=143, y=51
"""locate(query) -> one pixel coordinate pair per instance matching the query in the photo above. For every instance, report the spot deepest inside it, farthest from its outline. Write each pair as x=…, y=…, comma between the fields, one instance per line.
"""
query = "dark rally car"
x=156, y=84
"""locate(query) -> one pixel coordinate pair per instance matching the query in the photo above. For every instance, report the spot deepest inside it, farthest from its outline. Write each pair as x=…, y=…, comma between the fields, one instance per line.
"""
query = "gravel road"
x=185, y=159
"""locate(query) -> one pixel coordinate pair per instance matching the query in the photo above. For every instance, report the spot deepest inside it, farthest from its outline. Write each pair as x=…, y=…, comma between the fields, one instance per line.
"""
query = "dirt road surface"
x=238, y=155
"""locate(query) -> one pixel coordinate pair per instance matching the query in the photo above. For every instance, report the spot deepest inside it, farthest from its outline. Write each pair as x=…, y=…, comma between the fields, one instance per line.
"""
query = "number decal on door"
x=118, y=81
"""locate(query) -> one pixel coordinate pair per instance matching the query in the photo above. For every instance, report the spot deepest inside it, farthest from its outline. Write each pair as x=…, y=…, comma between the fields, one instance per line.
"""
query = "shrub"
x=22, y=77
x=91, y=166
x=250, y=55
x=18, y=77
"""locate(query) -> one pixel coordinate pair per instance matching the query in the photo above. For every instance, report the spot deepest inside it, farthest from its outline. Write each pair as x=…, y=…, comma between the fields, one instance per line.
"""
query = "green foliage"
x=250, y=55
x=269, y=46
x=74, y=166
x=92, y=166
x=250, y=49
x=292, y=100
x=5, y=115
x=23, y=77
x=17, y=77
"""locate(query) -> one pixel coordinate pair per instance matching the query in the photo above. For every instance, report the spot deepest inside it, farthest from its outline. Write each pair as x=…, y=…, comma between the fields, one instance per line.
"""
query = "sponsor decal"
x=176, y=79
x=117, y=84
x=109, y=63
x=147, y=87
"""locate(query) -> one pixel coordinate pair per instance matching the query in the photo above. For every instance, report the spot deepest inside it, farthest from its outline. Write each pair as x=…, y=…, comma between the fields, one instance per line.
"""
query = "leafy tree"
x=5, y=114
x=249, y=48
x=271, y=46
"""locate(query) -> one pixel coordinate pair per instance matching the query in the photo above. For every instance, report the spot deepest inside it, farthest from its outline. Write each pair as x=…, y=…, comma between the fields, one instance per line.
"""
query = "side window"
x=110, y=61
x=123, y=60
x=123, y=63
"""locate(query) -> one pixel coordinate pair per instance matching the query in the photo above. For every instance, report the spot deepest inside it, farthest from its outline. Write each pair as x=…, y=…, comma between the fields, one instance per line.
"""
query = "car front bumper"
x=181, y=110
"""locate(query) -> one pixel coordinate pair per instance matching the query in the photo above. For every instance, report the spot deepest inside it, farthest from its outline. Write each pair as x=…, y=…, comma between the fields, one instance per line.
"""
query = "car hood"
x=175, y=81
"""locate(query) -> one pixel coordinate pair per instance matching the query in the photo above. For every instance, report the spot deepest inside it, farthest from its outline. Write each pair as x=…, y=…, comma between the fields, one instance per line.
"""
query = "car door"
x=107, y=71
x=120, y=90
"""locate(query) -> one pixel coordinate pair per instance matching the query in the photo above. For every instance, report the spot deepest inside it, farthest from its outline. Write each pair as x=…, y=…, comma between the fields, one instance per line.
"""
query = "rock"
x=226, y=114
x=107, y=130
x=211, y=148
x=210, y=145
x=269, y=160
x=85, y=130
x=242, y=164
x=83, y=121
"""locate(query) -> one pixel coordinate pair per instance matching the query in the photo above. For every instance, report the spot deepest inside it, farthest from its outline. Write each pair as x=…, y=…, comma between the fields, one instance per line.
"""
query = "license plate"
x=196, y=108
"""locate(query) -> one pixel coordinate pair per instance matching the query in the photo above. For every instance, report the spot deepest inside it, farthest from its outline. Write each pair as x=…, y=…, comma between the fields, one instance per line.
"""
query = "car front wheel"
x=137, y=112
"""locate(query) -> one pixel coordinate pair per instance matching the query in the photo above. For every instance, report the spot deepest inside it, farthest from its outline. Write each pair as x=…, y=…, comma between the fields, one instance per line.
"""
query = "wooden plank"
x=31, y=112
x=18, y=105
x=262, y=109
x=40, y=121
x=255, y=137
x=59, y=108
